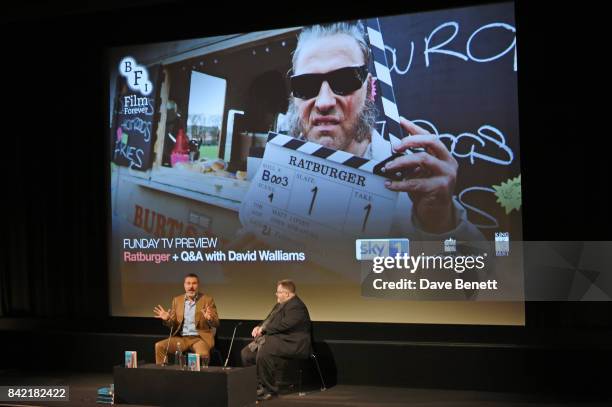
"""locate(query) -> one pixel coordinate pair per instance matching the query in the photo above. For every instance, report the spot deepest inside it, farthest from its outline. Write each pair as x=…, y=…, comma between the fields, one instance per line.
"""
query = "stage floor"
x=83, y=388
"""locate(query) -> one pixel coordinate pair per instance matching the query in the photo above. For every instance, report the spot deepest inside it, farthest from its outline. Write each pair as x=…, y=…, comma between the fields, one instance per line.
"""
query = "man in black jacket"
x=285, y=333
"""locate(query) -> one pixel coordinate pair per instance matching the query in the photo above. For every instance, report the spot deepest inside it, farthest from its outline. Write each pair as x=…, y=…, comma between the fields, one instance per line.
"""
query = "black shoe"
x=260, y=391
x=266, y=396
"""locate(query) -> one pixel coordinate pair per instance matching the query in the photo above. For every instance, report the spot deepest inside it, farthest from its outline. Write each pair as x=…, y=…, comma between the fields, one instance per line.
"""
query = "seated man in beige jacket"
x=191, y=318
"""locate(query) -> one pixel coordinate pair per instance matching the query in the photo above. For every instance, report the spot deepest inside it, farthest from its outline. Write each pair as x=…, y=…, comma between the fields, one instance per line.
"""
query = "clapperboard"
x=385, y=100
x=306, y=196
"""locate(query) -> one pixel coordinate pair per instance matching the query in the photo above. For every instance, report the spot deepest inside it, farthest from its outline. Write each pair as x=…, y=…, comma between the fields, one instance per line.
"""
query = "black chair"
x=292, y=374
x=296, y=366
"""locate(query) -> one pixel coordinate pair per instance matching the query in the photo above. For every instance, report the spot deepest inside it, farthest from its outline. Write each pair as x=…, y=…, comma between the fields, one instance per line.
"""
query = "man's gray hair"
x=368, y=114
x=354, y=30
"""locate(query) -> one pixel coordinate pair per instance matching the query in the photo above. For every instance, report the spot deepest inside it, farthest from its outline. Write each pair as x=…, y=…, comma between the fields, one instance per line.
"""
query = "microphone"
x=229, y=352
x=165, y=362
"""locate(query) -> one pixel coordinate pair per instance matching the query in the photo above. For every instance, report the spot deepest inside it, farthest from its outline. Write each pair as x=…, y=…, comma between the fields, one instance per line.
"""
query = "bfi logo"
x=137, y=77
x=367, y=249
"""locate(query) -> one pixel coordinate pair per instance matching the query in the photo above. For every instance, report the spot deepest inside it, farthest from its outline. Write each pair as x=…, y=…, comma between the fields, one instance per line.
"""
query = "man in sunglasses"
x=332, y=104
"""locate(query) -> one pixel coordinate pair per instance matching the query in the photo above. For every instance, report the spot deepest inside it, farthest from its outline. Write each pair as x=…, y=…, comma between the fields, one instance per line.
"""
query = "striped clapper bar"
x=385, y=99
x=305, y=195
x=340, y=157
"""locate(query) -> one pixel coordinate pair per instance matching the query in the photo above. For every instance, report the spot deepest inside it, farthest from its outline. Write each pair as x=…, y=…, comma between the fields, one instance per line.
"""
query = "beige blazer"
x=206, y=329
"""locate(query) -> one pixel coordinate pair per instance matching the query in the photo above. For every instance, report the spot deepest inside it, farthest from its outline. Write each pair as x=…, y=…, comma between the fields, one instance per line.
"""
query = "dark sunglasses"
x=343, y=81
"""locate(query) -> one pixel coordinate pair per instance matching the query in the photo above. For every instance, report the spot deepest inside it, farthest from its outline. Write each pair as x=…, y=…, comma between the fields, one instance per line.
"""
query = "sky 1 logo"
x=137, y=77
x=367, y=249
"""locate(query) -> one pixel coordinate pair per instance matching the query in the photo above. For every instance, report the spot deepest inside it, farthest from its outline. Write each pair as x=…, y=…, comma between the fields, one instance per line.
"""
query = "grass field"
x=210, y=152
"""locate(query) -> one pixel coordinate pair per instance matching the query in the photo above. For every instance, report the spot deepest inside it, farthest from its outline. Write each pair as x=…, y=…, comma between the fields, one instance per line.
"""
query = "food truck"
x=182, y=158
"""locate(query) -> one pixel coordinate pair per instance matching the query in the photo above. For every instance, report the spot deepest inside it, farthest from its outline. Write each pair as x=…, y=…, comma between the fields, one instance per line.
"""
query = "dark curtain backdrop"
x=56, y=175
x=56, y=172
